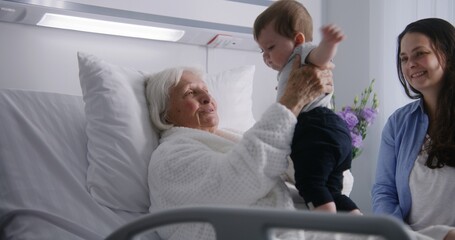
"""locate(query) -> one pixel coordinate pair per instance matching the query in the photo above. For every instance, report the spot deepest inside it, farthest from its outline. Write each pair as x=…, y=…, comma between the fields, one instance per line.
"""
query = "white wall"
x=352, y=75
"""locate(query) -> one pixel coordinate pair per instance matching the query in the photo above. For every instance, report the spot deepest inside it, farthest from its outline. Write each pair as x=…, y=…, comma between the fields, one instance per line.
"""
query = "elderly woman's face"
x=191, y=104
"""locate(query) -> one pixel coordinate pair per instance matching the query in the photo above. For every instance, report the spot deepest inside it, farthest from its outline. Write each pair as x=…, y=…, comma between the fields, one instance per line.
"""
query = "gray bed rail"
x=252, y=223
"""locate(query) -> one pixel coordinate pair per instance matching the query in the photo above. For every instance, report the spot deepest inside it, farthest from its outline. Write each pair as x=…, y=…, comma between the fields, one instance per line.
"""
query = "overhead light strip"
x=110, y=27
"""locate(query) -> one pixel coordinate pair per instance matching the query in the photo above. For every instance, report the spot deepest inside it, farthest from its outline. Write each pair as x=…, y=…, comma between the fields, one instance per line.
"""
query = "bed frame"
x=248, y=223
x=235, y=223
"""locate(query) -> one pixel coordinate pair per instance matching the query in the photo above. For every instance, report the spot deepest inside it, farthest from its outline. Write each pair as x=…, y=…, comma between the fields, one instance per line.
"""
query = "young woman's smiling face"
x=420, y=64
x=191, y=105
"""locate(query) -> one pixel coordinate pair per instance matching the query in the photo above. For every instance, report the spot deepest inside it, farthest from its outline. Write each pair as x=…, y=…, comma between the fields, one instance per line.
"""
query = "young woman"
x=416, y=164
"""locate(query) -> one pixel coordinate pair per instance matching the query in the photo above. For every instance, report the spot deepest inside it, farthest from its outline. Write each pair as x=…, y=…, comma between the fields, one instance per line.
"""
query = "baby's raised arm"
x=322, y=55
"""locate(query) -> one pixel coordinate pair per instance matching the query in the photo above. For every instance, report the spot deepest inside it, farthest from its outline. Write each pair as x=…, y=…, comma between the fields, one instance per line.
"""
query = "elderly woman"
x=198, y=164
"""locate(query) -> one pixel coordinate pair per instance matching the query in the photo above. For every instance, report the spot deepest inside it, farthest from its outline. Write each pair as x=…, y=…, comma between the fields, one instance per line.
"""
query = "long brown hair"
x=441, y=33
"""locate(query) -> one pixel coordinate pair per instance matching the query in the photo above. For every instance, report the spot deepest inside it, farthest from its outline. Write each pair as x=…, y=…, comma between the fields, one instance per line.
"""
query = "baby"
x=321, y=147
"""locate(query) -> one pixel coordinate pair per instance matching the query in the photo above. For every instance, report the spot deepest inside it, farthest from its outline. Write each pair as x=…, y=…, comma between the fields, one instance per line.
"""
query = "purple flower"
x=358, y=117
x=356, y=140
x=349, y=117
x=369, y=114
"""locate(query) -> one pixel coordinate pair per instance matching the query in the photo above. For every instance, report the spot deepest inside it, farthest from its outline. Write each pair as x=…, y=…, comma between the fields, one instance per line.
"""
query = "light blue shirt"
x=402, y=139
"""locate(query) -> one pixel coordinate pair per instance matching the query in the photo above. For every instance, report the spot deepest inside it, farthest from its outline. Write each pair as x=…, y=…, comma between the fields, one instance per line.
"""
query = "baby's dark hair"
x=289, y=16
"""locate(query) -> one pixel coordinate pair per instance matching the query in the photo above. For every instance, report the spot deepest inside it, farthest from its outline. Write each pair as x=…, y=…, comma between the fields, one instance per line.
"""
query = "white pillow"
x=120, y=136
x=232, y=90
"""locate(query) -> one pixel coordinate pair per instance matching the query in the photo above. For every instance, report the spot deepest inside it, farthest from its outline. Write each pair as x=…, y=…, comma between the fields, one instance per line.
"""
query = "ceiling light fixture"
x=109, y=27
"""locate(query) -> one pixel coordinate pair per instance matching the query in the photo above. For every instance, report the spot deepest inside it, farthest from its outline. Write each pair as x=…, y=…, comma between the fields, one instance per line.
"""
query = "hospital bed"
x=52, y=187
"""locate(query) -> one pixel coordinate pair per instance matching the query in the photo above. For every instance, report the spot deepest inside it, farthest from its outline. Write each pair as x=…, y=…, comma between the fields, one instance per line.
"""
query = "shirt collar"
x=418, y=105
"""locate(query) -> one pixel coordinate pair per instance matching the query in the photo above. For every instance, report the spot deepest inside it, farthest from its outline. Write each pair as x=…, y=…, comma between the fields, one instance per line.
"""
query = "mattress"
x=43, y=166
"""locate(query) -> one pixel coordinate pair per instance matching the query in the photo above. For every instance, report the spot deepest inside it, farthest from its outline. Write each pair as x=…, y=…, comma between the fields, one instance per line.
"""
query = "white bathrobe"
x=194, y=167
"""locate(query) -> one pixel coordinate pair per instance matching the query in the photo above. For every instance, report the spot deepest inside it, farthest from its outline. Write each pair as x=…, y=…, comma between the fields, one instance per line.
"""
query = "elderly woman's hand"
x=304, y=85
x=450, y=235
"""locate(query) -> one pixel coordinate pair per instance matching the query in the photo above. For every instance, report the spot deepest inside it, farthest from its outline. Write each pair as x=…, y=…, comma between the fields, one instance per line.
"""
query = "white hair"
x=157, y=87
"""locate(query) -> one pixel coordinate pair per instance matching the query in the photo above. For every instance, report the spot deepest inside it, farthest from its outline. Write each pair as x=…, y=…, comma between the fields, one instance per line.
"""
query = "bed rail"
x=252, y=223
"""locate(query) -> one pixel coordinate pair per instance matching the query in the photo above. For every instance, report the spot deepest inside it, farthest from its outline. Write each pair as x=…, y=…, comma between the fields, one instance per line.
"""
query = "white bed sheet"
x=43, y=166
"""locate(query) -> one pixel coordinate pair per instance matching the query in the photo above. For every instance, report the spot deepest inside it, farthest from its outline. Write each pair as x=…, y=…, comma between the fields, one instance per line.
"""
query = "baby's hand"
x=323, y=54
x=331, y=34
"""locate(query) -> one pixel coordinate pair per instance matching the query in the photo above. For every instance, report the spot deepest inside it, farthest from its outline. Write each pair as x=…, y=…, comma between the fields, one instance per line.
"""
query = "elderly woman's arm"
x=305, y=84
x=450, y=235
